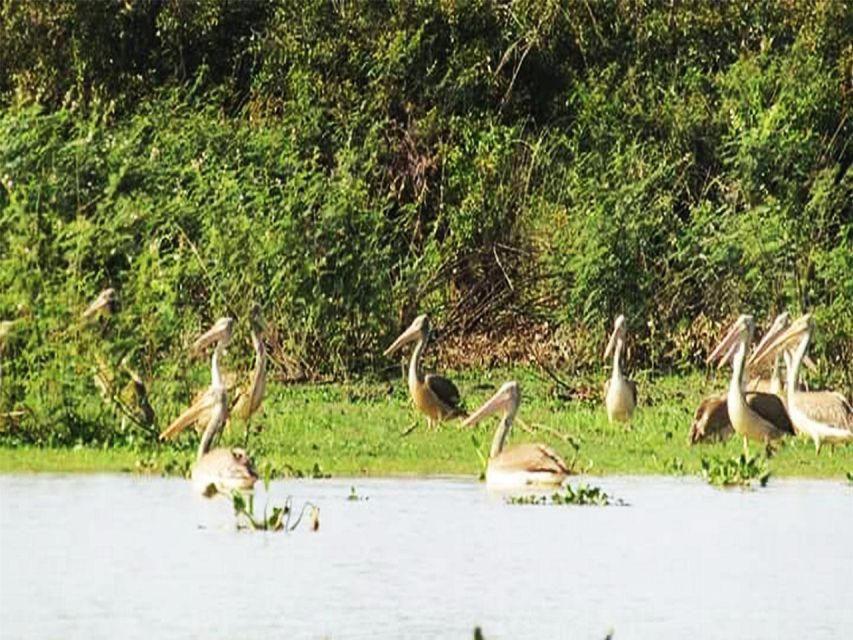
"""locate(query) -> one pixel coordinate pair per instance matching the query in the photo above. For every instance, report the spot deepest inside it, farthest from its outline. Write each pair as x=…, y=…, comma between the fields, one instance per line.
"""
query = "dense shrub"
x=348, y=166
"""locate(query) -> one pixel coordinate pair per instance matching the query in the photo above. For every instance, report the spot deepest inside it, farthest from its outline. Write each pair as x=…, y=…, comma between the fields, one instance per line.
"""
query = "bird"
x=249, y=399
x=711, y=420
x=104, y=305
x=823, y=416
x=219, y=470
x=6, y=327
x=435, y=396
x=747, y=421
x=620, y=394
x=521, y=464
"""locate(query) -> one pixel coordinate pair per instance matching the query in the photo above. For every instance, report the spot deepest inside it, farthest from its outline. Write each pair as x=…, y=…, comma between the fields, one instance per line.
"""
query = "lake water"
x=106, y=556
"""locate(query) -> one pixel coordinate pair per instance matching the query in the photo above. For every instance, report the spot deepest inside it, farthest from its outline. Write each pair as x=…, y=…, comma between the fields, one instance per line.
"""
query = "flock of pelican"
x=756, y=410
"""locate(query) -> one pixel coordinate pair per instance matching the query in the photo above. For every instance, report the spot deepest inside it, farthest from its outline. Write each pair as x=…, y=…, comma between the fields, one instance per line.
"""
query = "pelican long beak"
x=505, y=398
x=617, y=329
x=409, y=335
x=221, y=331
x=784, y=340
x=728, y=344
x=782, y=321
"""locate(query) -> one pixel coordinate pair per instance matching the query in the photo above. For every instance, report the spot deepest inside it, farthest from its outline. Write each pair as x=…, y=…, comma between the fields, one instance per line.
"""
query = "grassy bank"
x=355, y=429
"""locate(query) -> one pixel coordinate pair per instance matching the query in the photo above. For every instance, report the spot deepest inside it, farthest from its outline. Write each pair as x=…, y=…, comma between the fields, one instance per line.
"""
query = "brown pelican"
x=620, y=394
x=249, y=400
x=746, y=420
x=221, y=469
x=824, y=416
x=104, y=304
x=435, y=396
x=521, y=464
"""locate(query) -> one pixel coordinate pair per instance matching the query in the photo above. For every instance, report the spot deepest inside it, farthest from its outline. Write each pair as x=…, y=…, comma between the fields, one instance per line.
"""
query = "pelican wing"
x=828, y=407
x=446, y=392
x=201, y=408
x=530, y=457
x=770, y=407
x=633, y=386
x=711, y=420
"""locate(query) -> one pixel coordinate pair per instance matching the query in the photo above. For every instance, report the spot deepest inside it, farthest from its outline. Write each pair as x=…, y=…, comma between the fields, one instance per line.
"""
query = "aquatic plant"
x=735, y=471
x=278, y=519
x=583, y=494
x=354, y=497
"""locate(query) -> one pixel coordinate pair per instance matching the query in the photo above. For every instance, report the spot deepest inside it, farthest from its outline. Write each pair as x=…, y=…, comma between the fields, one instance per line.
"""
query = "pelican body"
x=746, y=421
x=620, y=394
x=434, y=396
x=822, y=416
x=221, y=469
x=520, y=465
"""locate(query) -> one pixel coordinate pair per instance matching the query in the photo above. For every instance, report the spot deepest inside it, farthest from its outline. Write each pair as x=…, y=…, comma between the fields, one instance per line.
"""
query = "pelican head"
x=418, y=329
x=507, y=399
x=105, y=303
x=742, y=328
x=220, y=332
x=779, y=325
x=804, y=325
x=619, y=331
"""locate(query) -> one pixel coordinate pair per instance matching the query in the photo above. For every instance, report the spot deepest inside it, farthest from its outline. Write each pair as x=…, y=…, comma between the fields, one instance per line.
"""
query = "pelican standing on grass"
x=521, y=464
x=620, y=394
x=824, y=416
x=435, y=396
x=221, y=469
x=249, y=400
x=747, y=421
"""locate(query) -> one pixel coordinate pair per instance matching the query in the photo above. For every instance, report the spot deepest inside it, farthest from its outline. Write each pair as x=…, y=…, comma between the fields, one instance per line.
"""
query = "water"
x=108, y=556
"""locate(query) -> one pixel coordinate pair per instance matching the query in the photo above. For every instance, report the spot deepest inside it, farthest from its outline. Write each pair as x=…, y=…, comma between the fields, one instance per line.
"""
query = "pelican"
x=747, y=421
x=435, y=396
x=221, y=469
x=249, y=400
x=824, y=416
x=5, y=329
x=104, y=304
x=711, y=420
x=620, y=394
x=521, y=464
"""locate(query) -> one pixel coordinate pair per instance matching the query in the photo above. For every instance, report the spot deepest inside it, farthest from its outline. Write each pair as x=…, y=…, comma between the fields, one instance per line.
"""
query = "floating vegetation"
x=739, y=471
x=280, y=518
x=850, y=477
x=583, y=494
x=353, y=496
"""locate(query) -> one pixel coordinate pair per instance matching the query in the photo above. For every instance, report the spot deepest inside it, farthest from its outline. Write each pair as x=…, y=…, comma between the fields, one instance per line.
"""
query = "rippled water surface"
x=121, y=556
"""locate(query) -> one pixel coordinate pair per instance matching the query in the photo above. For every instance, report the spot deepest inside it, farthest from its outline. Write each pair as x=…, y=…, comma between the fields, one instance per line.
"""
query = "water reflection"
x=106, y=556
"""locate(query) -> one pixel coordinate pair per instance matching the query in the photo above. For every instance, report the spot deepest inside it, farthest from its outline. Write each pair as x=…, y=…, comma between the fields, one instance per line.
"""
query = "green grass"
x=355, y=429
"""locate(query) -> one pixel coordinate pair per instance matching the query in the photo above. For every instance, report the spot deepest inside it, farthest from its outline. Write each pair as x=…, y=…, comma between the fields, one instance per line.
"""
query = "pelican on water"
x=824, y=416
x=620, y=394
x=521, y=464
x=747, y=421
x=221, y=469
x=435, y=396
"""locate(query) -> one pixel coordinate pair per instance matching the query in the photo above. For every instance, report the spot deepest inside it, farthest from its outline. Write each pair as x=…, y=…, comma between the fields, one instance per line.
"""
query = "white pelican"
x=746, y=421
x=435, y=396
x=823, y=416
x=522, y=464
x=221, y=469
x=620, y=393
